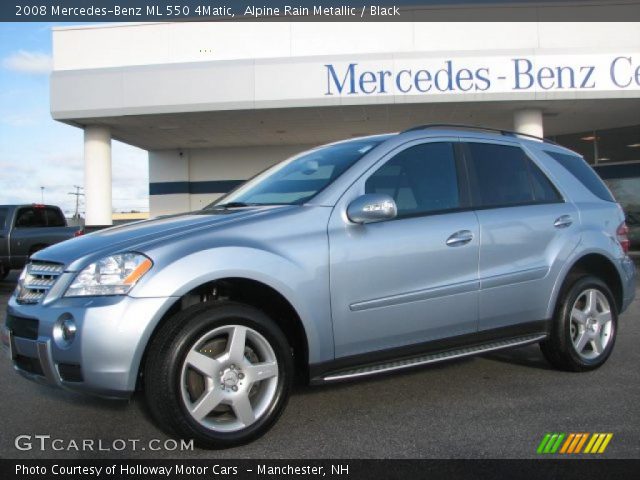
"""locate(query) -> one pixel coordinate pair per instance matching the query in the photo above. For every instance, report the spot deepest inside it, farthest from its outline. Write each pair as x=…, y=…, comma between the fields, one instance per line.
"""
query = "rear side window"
x=31, y=218
x=584, y=173
x=55, y=218
x=3, y=216
x=421, y=179
x=503, y=175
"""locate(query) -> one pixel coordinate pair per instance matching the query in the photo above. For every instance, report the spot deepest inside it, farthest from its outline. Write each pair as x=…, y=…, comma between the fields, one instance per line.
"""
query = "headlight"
x=114, y=275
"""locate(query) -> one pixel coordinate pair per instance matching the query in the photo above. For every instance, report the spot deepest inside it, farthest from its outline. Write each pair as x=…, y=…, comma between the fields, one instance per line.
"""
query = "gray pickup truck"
x=25, y=229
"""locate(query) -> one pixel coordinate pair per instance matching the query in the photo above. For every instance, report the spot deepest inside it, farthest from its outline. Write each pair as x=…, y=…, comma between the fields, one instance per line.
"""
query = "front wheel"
x=219, y=374
x=584, y=328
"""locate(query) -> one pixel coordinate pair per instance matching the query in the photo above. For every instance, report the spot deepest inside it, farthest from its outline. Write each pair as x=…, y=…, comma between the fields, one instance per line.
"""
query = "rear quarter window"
x=584, y=173
x=55, y=218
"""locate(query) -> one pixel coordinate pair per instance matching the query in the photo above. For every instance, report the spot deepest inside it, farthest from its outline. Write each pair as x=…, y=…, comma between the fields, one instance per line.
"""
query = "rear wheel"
x=219, y=374
x=584, y=328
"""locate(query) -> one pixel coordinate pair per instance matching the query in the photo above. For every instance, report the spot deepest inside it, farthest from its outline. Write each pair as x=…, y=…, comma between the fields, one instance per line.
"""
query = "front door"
x=414, y=278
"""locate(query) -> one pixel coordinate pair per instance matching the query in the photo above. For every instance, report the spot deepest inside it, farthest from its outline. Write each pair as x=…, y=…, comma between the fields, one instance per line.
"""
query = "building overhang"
x=163, y=86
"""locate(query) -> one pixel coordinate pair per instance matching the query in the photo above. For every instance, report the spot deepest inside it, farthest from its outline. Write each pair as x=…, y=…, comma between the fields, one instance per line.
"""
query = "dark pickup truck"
x=25, y=229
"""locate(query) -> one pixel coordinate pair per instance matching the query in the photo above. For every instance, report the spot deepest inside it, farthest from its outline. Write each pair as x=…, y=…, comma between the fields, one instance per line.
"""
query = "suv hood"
x=77, y=253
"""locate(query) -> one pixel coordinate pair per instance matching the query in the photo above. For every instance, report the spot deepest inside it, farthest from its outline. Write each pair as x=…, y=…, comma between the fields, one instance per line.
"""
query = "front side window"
x=297, y=180
x=503, y=176
x=421, y=179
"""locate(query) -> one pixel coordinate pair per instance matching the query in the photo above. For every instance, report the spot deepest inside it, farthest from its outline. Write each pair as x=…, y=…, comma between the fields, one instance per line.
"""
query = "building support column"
x=528, y=121
x=97, y=175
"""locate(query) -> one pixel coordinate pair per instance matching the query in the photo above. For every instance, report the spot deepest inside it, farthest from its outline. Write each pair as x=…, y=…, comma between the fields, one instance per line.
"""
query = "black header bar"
x=85, y=11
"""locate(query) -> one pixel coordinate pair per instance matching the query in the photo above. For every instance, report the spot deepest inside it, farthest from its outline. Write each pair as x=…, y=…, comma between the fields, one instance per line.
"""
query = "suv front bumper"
x=105, y=354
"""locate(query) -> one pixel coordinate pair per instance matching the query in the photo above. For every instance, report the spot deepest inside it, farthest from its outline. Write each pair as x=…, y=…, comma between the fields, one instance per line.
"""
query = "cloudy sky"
x=36, y=151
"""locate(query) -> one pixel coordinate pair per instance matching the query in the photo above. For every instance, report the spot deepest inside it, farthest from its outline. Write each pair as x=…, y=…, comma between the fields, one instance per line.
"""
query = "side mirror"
x=372, y=207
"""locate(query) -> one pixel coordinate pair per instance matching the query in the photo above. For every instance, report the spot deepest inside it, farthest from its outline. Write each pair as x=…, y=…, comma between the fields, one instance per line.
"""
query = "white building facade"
x=215, y=103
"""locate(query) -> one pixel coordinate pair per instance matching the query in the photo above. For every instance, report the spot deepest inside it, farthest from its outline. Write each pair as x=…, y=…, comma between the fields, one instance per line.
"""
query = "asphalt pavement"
x=495, y=406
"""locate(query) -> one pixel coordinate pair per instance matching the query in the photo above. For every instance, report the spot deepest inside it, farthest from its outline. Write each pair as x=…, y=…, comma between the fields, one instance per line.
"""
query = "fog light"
x=64, y=331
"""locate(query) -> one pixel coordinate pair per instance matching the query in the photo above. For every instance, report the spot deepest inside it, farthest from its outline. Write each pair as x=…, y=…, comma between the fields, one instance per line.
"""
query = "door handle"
x=461, y=237
x=563, y=221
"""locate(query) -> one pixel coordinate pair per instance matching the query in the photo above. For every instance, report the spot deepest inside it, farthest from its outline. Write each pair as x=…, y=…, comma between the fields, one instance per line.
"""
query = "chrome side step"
x=433, y=357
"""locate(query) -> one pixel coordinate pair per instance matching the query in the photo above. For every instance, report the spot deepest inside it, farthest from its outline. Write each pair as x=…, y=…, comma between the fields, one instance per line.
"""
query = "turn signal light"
x=623, y=237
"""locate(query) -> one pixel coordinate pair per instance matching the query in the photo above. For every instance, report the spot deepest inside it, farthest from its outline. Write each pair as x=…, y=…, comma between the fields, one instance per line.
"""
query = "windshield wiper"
x=227, y=206
x=234, y=205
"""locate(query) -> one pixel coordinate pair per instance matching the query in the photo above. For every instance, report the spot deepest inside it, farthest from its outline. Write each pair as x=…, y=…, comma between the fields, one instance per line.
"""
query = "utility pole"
x=77, y=194
x=42, y=195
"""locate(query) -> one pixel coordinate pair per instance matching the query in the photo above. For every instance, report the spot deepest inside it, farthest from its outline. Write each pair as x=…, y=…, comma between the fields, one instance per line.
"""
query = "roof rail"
x=506, y=133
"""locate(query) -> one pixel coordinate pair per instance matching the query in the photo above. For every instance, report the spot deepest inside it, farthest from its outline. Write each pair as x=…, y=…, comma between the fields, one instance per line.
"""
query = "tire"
x=213, y=407
x=581, y=337
x=4, y=272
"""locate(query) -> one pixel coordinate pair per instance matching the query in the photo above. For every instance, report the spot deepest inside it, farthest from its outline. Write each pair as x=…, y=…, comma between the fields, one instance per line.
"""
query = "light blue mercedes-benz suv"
x=364, y=256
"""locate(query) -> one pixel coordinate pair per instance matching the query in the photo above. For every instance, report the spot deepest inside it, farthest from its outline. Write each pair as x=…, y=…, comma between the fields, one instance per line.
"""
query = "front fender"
x=305, y=286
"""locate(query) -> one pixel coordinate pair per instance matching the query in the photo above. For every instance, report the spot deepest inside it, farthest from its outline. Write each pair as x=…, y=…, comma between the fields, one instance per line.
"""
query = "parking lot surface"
x=496, y=406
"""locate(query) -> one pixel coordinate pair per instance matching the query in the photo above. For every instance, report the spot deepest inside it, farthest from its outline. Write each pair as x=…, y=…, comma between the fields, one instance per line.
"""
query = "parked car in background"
x=633, y=222
x=25, y=229
x=361, y=257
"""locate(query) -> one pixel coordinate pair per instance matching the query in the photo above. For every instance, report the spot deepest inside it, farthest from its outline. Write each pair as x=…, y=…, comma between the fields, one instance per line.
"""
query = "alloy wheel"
x=229, y=378
x=591, y=326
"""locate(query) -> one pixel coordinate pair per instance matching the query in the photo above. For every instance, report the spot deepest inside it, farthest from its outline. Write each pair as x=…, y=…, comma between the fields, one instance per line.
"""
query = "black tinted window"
x=584, y=173
x=503, y=175
x=31, y=217
x=55, y=218
x=421, y=179
x=3, y=216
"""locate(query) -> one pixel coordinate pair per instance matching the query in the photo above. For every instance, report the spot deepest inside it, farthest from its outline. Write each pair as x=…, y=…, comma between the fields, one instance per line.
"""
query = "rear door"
x=526, y=229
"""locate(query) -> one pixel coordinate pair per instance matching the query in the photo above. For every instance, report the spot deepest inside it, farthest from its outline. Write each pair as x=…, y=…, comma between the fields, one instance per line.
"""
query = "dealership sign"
x=479, y=75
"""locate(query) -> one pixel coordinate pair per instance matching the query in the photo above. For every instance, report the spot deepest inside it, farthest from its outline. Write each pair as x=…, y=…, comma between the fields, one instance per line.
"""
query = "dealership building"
x=215, y=103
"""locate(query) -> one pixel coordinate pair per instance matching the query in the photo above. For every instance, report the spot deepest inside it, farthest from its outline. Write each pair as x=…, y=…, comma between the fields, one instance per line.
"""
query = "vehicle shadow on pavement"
x=529, y=356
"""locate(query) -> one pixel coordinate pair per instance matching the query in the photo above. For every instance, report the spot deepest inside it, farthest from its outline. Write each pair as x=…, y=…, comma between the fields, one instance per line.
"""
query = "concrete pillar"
x=528, y=121
x=168, y=182
x=97, y=175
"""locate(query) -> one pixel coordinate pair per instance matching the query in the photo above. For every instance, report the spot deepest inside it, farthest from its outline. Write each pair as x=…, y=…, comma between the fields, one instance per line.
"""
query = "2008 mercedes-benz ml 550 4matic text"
x=364, y=256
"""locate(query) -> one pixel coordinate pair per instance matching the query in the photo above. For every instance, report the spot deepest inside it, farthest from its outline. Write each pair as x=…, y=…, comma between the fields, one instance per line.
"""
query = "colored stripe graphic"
x=598, y=443
x=543, y=443
x=567, y=443
x=551, y=443
x=573, y=443
x=581, y=443
x=607, y=439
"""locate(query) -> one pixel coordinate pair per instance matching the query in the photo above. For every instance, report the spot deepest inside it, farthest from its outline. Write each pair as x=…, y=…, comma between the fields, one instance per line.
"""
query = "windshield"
x=296, y=180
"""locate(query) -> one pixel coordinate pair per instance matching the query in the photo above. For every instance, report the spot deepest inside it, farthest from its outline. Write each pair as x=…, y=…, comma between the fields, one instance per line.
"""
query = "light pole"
x=41, y=194
x=77, y=194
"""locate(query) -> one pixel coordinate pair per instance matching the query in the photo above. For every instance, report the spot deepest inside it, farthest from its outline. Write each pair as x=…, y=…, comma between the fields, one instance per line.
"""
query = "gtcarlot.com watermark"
x=47, y=443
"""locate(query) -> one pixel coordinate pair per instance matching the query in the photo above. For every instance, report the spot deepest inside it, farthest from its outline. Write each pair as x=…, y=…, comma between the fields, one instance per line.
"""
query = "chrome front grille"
x=36, y=280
